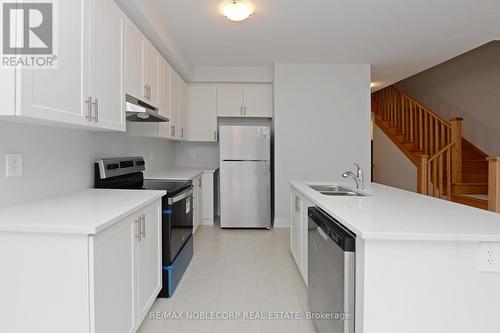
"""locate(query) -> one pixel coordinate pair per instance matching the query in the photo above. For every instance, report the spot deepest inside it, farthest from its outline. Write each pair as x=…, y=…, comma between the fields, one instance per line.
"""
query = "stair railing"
x=494, y=184
x=434, y=176
x=437, y=141
x=420, y=126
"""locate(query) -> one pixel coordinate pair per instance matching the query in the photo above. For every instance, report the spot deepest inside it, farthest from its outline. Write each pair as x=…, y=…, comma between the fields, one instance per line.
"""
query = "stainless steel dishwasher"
x=331, y=256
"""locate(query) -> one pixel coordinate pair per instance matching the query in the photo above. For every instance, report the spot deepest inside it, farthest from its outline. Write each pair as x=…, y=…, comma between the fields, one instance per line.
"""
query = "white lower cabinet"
x=126, y=271
x=148, y=262
x=207, y=198
x=298, y=231
x=197, y=202
x=80, y=283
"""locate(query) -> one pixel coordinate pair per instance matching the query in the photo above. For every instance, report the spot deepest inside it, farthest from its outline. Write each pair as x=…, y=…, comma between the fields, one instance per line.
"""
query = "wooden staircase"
x=448, y=166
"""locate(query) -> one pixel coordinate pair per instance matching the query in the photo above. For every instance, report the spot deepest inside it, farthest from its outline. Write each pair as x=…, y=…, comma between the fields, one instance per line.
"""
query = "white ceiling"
x=398, y=37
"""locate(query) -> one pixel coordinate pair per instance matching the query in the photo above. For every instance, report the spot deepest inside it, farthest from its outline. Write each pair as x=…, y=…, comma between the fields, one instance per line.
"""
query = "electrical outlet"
x=14, y=165
x=488, y=258
x=192, y=154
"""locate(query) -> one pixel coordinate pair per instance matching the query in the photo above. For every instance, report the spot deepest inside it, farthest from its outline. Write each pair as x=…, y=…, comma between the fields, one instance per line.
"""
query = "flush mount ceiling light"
x=237, y=10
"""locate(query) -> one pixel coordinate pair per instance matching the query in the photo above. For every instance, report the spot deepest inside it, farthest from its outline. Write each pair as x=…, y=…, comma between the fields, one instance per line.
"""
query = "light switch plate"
x=14, y=165
x=489, y=257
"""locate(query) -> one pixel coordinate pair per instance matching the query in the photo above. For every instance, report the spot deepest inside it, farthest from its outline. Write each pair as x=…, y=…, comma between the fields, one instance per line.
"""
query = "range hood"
x=138, y=111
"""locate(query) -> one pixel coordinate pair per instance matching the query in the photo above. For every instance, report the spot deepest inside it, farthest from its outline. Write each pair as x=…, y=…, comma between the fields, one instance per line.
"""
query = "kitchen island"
x=422, y=264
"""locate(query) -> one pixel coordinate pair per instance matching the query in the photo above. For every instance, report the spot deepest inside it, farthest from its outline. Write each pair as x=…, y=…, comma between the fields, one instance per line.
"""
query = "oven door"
x=177, y=224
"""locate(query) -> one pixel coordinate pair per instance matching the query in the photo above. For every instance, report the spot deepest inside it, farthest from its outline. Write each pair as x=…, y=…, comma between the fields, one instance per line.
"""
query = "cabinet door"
x=107, y=45
x=304, y=221
x=59, y=95
x=295, y=228
x=174, y=104
x=148, y=269
x=196, y=203
x=150, y=72
x=112, y=274
x=258, y=101
x=184, y=121
x=207, y=197
x=229, y=101
x=164, y=96
x=202, y=113
x=133, y=60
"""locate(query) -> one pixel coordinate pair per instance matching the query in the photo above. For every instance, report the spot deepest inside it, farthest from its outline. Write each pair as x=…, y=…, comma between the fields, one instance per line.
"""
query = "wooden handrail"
x=424, y=130
x=420, y=104
x=436, y=155
x=494, y=184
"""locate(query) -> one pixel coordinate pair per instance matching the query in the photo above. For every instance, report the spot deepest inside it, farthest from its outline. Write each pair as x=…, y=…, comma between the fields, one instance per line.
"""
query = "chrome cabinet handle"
x=182, y=132
x=139, y=231
x=88, y=102
x=146, y=90
x=149, y=92
x=172, y=130
x=96, y=110
x=241, y=110
x=245, y=110
x=215, y=135
x=143, y=232
x=93, y=109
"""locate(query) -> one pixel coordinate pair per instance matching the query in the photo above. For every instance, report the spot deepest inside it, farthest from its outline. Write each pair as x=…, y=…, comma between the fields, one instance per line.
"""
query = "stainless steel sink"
x=335, y=190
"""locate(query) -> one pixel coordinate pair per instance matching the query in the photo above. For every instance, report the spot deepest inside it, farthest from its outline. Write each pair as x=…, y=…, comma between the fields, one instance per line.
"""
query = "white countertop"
x=393, y=214
x=84, y=212
x=177, y=173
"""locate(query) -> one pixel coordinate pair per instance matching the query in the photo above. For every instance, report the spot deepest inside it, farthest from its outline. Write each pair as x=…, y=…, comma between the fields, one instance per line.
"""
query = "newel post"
x=456, y=153
x=422, y=174
x=494, y=184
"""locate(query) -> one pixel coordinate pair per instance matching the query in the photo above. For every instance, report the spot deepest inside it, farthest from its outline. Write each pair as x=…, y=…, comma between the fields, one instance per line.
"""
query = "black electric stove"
x=177, y=212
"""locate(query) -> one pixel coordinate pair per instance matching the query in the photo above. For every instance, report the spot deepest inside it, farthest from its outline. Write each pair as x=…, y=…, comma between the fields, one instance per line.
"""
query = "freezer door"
x=245, y=195
x=251, y=143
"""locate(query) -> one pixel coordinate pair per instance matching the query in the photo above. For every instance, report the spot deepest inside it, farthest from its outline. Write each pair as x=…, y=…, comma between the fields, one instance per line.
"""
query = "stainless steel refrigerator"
x=245, y=176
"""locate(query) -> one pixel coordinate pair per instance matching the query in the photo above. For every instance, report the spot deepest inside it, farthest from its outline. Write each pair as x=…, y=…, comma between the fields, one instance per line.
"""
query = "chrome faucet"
x=358, y=177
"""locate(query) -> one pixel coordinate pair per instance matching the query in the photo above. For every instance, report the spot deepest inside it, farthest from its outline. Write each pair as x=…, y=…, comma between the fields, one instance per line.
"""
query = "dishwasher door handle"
x=322, y=233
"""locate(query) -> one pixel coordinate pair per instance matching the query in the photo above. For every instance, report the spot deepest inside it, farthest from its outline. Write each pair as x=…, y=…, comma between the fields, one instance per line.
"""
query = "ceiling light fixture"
x=237, y=10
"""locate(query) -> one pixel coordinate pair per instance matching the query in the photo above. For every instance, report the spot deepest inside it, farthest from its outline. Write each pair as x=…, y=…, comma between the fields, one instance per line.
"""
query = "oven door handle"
x=184, y=194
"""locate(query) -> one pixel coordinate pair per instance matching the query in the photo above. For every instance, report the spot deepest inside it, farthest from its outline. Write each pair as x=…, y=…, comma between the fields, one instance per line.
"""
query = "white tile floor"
x=236, y=271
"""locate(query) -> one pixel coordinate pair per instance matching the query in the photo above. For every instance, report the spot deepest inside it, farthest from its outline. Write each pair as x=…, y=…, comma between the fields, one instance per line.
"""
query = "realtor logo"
x=28, y=34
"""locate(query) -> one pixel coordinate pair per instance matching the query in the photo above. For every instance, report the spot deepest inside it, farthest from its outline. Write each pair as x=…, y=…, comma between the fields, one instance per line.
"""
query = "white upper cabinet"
x=86, y=87
x=60, y=95
x=184, y=120
x=258, y=101
x=245, y=101
x=108, y=66
x=142, y=73
x=164, y=96
x=202, y=110
x=133, y=62
x=150, y=72
x=175, y=103
x=229, y=101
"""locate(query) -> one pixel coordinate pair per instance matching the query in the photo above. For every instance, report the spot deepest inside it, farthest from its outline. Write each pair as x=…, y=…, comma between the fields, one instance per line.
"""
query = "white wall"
x=233, y=74
x=322, y=125
x=391, y=166
x=196, y=154
x=466, y=86
x=61, y=160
